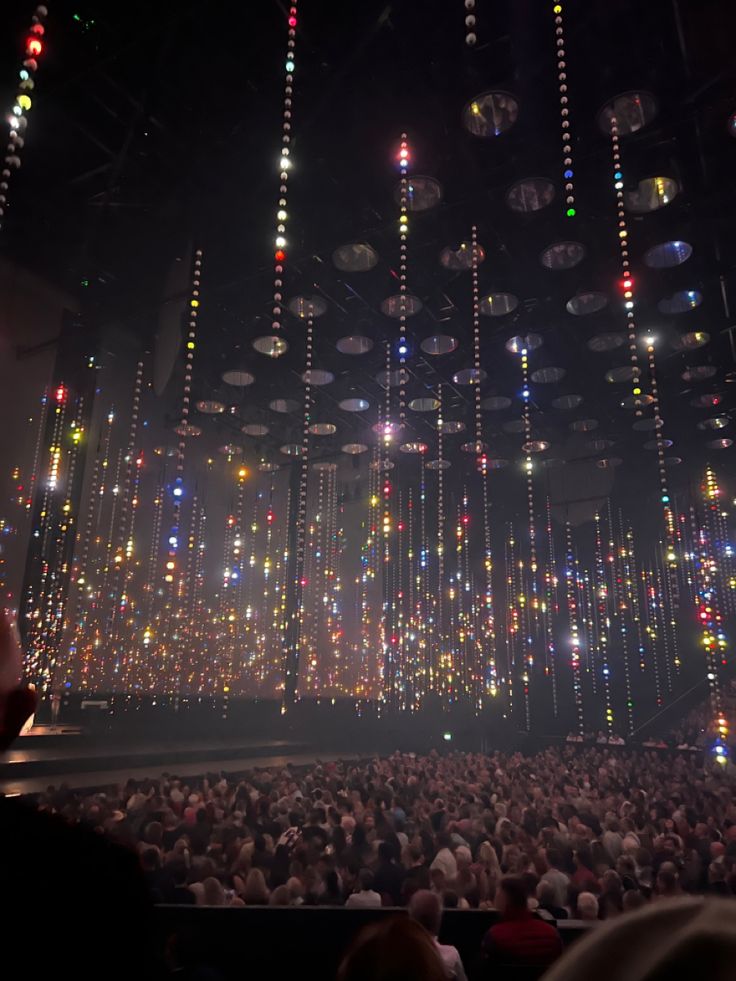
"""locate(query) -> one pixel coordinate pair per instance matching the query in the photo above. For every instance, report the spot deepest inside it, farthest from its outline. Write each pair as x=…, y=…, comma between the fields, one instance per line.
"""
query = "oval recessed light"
x=439, y=344
x=561, y=256
x=490, y=114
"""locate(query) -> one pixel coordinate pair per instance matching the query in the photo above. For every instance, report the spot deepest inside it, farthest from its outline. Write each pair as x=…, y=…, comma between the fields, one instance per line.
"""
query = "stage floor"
x=75, y=759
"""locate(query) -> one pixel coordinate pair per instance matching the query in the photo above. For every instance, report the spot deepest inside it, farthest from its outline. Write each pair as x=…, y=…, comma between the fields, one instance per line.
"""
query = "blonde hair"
x=255, y=891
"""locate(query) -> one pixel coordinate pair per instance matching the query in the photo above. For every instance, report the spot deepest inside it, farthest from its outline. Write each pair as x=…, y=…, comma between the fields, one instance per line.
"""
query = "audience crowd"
x=590, y=831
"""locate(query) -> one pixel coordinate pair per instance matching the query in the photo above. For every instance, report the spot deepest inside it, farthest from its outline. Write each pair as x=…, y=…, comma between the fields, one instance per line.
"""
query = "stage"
x=145, y=736
x=54, y=755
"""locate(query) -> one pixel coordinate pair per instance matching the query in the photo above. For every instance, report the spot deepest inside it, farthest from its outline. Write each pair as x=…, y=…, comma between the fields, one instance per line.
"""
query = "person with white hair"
x=426, y=909
x=587, y=907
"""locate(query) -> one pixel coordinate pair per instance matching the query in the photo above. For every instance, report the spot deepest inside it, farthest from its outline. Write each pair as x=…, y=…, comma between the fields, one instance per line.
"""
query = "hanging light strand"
x=475, y=259
x=124, y=547
x=603, y=622
x=182, y=428
x=627, y=281
x=620, y=606
x=301, y=506
x=285, y=163
x=487, y=646
x=34, y=46
x=403, y=252
x=572, y=606
x=567, y=162
x=551, y=607
x=488, y=639
x=709, y=616
x=471, y=38
x=440, y=637
x=669, y=520
x=531, y=602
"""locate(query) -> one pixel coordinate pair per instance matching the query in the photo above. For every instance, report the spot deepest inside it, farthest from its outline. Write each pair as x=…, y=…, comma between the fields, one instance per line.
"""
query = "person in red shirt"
x=520, y=939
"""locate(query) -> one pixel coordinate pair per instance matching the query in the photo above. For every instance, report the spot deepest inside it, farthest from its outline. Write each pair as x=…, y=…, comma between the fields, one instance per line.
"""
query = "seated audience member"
x=398, y=949
x=587, y=907
x=425, y=908
x=633, y=900
x=556, y=877
x=546, y=900
x=389, y=876
x=444, y=860
x=520, y=939
x=255, y=892
x=667, y=884
x=366, y=896
x=280, y=897
x=717, y=884
x=611, y=899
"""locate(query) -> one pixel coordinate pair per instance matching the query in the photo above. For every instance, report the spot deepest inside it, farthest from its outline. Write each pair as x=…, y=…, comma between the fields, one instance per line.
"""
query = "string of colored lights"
x=123, y=552
x=649, y=608
x=153, y=553
x=659, y=605
x=711, y=621
x=669, y=618
x=551, y=610
x=90, y=659
x=439, y=658
x=620, y=607
x=79, y=610
x=297, y=615
x=37, y=449
x=582, y=583
x=384, y=462
x=633, y=595
x=412, y=659
x=34, y=46
x=488, y=634
x=512, y=623
x=274, y=680
x=561, y=55
x=316, y=576
x=603, y=621
x=61, y=580
x=627, y=281
x=372, y=631
x=573, y=613
x=36, y=601
x=661, y=443
x=487, y=682
x=173, y=572
x=285, y=163
x=424, y=600
x=128, y=600
x=403, y=348
x=532, y=605
x=191, y=627
x=334, y=585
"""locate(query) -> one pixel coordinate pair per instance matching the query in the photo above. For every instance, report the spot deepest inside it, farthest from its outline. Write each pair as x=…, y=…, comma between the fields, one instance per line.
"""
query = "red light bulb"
x=280, y=255
x=34, y=46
